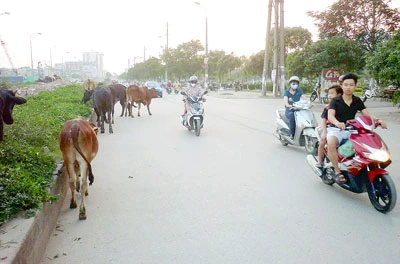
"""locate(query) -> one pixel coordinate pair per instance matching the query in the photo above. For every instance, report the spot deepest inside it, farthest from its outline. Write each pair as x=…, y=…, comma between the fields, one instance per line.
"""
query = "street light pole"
x=30, y=40
x=206, y=55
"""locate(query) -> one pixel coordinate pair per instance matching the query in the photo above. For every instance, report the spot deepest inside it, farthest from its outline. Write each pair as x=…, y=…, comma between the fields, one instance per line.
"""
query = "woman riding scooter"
x=292, y=95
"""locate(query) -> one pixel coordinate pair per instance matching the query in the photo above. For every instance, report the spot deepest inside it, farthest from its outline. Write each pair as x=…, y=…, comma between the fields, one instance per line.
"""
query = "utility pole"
x=166, y=58
x=266, y=69
x=278, y=59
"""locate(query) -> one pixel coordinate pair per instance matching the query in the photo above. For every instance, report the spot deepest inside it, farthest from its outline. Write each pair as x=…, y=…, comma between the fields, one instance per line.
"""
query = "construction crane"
x=7, y=54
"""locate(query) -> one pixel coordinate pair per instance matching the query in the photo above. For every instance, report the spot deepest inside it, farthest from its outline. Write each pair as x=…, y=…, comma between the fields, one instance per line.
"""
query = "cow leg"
x=103, y=117
x=84, y=190
x=148, y=109
x=72, y=181
x=130, y=110
x=123, y=108
x=110, y=130
x=112, y=114
x=138, y=111
x=77, y=173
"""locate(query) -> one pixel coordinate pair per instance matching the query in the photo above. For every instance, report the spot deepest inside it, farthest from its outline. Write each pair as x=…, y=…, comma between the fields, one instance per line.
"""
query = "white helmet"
x=193, y=81
x=294, y=78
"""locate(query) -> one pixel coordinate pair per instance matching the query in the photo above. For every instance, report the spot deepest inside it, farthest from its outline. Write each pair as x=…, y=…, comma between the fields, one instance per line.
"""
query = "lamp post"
x=206, y=55
x=30, y=40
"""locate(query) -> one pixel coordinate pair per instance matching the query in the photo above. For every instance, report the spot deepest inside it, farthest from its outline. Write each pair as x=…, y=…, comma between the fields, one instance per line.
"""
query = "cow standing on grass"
x=79, y=146
x=139, y=95
x=8, y=99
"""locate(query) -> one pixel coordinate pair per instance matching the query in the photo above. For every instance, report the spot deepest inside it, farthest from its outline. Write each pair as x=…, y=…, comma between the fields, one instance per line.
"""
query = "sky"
x=128, y=30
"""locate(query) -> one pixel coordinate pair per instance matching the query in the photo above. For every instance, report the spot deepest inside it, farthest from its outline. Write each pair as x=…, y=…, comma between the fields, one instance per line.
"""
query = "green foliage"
x=366, y=22
x=396, y=99
x=335, y=52
x=384, y=62
x=25, y=169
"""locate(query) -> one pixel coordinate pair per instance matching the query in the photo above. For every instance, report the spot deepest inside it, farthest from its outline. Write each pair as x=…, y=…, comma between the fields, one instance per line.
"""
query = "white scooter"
x=193, y=120
x=306, y=123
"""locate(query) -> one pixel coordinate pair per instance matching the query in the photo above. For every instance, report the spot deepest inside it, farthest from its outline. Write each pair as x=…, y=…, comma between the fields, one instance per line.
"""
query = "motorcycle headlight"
x=378, y=155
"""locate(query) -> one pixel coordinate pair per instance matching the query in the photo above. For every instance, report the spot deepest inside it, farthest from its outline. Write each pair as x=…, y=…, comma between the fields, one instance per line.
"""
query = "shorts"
x=341, y=135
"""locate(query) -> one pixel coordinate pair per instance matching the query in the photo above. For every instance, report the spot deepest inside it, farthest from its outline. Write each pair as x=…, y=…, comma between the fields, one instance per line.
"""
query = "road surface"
x=232, y=195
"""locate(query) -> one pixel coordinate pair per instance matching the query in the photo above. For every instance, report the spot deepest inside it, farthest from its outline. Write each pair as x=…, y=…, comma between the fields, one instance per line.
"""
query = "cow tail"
x=74, y=135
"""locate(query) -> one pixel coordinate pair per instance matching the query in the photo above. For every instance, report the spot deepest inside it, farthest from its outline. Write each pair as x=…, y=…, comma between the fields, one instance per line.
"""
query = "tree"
x=334, y=52
x=255, y=64
x=296, y=38
x=151, y=69
x=384, y=62
x=184, y=60
x=366, y=22
x=221, y=63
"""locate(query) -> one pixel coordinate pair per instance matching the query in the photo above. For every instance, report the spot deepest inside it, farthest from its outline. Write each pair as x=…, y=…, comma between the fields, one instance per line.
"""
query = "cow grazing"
x=79, y=146
x=8, y=99
x=103, y=105
x=139, y=95
x=118, y=92
x=89, y=85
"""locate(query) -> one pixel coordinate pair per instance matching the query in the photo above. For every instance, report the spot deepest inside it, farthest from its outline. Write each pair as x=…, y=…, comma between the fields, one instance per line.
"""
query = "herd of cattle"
x=78, y=137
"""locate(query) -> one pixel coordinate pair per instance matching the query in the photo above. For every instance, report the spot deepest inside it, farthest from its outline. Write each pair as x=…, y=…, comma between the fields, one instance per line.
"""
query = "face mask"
x=192, y=84
x=294, y=86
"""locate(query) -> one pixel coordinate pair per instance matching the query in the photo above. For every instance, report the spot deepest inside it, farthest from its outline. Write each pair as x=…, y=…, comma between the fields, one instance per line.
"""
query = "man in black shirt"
x=341, y=109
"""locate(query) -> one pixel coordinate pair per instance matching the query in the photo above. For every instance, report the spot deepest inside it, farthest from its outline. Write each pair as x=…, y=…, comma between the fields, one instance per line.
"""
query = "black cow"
x=8, y=99
x=119, y=94
x=103, y=105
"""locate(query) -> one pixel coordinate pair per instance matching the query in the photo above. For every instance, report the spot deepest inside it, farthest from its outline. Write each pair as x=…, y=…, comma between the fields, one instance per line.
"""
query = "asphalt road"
x=232, y=195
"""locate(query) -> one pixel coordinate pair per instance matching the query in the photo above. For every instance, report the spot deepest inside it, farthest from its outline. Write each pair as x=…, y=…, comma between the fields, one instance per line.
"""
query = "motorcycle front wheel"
x=313, y=96
x=197, y=126
x=382, y=193
x=311, y=145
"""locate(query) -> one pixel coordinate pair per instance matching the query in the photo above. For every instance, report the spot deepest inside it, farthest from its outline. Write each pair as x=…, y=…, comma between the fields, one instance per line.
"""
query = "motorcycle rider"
x=292, y=95
x=341, y=109
x=193, y=89
x=333, y=92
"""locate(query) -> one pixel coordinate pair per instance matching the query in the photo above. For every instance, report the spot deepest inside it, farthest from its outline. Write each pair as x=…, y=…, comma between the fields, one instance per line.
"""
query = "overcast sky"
x=124, y=29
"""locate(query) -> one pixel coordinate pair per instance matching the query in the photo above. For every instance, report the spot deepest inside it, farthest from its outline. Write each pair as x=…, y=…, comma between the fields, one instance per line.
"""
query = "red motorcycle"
x=364, y=168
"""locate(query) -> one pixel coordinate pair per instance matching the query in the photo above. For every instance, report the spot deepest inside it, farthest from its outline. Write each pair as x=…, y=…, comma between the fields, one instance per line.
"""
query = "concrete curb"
x=25, y=240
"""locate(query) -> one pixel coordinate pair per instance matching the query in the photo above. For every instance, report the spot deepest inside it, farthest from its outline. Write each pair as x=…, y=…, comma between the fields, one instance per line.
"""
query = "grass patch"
x=25, y=168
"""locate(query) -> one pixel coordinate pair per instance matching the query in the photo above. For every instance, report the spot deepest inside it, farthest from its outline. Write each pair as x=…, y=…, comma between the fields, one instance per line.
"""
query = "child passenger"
x=333, y=92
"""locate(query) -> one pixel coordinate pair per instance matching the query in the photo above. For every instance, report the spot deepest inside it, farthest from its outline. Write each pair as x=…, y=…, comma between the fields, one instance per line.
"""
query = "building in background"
x=91, y=66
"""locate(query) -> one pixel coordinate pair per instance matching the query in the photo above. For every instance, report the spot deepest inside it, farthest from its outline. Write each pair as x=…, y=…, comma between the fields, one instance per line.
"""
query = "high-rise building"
x=93, y=64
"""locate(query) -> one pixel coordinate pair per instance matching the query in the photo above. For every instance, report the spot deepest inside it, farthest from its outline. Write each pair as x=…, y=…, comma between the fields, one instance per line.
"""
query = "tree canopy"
x=366, y=22
x=384, y=62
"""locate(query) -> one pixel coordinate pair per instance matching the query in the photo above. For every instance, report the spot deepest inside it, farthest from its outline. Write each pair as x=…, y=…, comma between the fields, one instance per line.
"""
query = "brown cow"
x=89, y=85
x=139, y=95
x=79, y=145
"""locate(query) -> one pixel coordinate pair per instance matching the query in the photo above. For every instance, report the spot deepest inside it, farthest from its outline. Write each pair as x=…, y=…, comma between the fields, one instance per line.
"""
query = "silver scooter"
x=194, y=118
x=306, y=123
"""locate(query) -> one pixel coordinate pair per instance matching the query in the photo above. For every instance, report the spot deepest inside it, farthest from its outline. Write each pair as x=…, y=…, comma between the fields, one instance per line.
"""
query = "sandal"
x=319, y=167
x=339, y=178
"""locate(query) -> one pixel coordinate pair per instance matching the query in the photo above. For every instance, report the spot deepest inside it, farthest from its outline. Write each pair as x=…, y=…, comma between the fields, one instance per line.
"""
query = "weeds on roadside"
x=26, y=170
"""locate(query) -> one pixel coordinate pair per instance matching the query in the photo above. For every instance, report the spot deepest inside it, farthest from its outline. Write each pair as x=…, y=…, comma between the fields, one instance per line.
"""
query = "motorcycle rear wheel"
x=382, y=193
x=313, y=96
x=197, y=126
